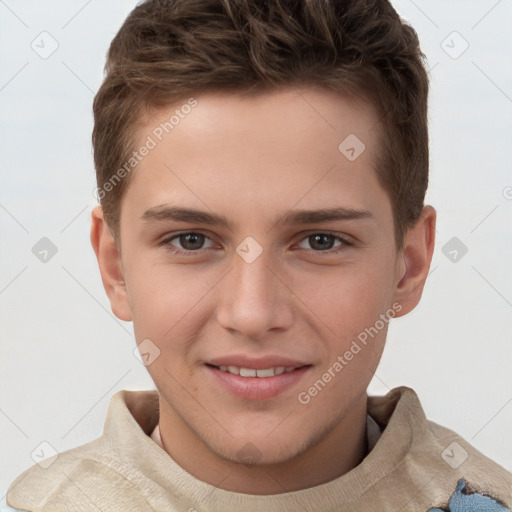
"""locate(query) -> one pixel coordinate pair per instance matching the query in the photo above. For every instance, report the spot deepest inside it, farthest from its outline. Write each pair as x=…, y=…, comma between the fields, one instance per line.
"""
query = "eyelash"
x=167, y=245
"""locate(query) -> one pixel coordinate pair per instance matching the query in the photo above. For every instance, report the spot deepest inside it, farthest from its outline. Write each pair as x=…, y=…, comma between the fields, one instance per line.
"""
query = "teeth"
x=247, y=372
x=269, y=372
x=250, y=372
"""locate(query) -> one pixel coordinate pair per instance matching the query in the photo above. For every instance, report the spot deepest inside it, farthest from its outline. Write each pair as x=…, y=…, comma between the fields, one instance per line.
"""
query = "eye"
x=324, y=242
x=190, y=241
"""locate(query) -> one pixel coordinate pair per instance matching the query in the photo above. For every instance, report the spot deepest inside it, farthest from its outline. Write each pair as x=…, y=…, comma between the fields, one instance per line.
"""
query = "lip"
x=260, y=363
x=257, y=388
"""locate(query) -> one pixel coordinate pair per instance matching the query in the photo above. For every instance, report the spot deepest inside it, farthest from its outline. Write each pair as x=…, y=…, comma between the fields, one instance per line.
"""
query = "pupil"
x=322, y=237
x=195, y=240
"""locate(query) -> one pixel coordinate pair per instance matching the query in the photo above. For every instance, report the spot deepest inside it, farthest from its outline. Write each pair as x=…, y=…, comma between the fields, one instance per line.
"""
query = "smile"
x=252, y=372
x=256, y=383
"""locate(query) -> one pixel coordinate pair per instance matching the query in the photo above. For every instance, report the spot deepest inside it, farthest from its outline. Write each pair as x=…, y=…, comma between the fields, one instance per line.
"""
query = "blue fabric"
x=463, y=502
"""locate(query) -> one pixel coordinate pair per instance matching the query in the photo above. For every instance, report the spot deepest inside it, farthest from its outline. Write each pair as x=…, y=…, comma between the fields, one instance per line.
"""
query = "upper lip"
x=260, y=363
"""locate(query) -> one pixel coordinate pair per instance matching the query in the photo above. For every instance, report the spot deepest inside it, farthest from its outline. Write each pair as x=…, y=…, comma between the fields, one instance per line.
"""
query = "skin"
x=253, y=159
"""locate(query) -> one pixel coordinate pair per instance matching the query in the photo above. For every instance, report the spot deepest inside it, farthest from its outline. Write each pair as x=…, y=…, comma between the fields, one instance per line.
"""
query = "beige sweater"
x=414, y=465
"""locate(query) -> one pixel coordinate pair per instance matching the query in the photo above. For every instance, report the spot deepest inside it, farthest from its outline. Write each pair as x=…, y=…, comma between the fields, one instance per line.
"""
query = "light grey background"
x=63, y=354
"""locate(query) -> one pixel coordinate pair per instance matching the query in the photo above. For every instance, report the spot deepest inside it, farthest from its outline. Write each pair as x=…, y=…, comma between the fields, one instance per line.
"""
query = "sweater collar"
x=399, y=414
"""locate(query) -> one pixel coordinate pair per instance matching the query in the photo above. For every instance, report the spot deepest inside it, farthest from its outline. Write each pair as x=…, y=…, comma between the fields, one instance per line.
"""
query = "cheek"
x=348, y=309
x=347, y=299
x=155, y=288
x=170, y=305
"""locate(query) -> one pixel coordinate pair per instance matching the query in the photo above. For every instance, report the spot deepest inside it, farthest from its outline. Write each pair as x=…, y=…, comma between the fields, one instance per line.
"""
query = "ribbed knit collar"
x=399, y=414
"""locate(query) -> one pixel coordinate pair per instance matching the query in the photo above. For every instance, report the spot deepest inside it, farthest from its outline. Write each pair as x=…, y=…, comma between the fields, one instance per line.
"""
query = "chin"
x=258, y=451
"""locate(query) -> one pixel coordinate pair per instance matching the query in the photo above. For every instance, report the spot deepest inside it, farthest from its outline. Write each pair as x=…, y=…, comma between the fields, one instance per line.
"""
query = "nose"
x=253, y=299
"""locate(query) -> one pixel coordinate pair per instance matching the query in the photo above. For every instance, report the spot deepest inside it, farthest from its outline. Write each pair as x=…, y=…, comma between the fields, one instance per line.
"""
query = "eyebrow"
x=294, y=217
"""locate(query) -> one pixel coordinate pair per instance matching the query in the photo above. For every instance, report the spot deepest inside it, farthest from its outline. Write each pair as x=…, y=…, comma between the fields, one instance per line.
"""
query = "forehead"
x=307, y=111
x=258, y=151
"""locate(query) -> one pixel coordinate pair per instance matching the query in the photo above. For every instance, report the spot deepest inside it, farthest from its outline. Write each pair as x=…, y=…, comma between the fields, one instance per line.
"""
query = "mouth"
x=256, y=383
x=253, y=372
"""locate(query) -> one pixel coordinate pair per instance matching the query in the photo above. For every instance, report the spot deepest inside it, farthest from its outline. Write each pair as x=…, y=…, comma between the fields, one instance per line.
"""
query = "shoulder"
x=481, y=483
x=85, y=478
x=449, y=470
x=6, y=508
x=103, y=474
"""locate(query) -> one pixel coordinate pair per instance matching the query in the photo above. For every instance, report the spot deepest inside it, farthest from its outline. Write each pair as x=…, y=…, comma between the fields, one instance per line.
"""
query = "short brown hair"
x=167, y=50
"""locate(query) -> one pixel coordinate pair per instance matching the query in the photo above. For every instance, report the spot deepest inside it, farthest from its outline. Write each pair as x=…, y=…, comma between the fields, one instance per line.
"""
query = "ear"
x=414, y=260
x=109, y=261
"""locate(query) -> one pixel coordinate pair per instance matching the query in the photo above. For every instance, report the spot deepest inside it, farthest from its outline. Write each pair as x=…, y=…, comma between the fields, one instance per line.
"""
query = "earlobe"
x=109, y=261
x=416, y=258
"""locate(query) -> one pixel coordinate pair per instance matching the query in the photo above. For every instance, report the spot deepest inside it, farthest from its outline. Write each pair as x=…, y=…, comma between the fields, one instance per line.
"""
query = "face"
x=250, y=239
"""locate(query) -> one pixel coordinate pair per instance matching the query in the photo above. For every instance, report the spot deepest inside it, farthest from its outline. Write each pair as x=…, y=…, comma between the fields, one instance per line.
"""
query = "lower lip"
x=257, y=388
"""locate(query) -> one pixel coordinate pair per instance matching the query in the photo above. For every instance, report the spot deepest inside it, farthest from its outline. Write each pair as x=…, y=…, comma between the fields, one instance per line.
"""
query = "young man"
x=262, y=167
